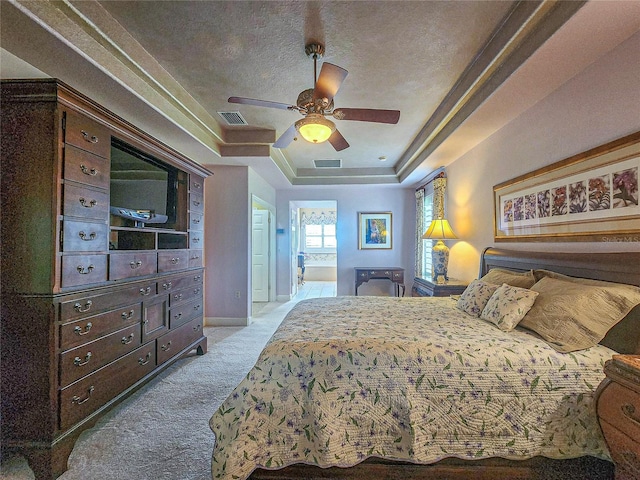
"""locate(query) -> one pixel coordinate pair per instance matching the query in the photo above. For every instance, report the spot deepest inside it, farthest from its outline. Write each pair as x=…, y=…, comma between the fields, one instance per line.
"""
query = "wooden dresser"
x=618, y=407
x=93, y=305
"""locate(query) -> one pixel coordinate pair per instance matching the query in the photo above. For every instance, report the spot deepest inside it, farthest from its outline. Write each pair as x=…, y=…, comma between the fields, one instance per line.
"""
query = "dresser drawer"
x=184, y=312
x=91, y=392
x=83, y=360
x=81, y=306
x=196, y=221
x=178, y=339
x=620, y=407
x=85, y=202
x=196, y=183
x=82, y=270
x=85, y=237
x=172, y=284
x=195, y=258
x=196, y=240
x=172, y=260
x=185, y=295
x=87, y=134
x=196, y=203
x=85, y=167
x=88, y=329
x=625, y=452
x=397, y=277
x=129, y=265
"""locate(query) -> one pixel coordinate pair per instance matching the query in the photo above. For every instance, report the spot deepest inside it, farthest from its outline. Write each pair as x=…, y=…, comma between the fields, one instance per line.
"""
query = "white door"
x=260, y=256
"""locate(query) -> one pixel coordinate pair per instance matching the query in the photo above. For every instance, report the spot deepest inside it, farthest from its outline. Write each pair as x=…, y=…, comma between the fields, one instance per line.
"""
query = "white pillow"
x=507, y=306
x=475, y=297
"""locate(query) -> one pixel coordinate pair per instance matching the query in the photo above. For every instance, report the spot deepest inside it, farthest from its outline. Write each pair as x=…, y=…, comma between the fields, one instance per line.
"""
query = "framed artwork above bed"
x=592, y=196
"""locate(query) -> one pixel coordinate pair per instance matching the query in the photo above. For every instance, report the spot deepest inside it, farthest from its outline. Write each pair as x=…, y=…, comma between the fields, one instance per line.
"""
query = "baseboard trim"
x=226, y=322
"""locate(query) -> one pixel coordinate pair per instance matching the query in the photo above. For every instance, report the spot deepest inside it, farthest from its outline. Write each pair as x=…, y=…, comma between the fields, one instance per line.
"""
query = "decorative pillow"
x=572, y=316
x=507, y=306
x=475, y=297
x=499, y=276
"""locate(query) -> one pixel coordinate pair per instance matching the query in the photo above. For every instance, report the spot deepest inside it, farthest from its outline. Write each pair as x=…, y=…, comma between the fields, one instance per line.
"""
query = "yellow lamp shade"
x=315, y=128
x=439, y=230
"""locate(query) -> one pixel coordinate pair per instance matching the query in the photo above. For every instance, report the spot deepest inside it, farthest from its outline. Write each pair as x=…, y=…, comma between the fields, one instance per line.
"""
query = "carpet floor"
x=162, y=431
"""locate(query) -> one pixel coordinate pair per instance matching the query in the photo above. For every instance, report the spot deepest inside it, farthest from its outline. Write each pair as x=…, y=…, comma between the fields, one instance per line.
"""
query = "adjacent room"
x=320, y=239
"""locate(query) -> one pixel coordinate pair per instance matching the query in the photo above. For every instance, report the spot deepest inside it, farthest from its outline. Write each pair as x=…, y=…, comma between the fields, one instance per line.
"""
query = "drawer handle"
x=127, y=315
x=196, y=203
x=177, y=316
x=197, y=327
x=78, y=306
x=630, y=411
x=145, y=291
x=196, y=185
x=87, y=328
x=166, y=347
x=83, y=271
x=195, y=257
x=175, y=260
x=167, y=285
x=89, y=204
x=127, y=340
x=178, y=296
x=195, y=220
x=89, y=171
x=79, y=401
x=197, y=278
x=89, y=138
x=135, y=265
x=196, y=307
x=196, y=239
x=78, y=362
x=196, y=291
x=87, y=238
x=145, y=360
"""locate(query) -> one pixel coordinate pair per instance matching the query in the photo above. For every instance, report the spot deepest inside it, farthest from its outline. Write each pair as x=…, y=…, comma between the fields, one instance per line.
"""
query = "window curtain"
x=430, y=199
x=314, y=217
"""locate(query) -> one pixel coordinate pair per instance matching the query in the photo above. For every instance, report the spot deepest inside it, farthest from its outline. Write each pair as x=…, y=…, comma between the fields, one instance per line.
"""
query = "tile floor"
x=313, y=289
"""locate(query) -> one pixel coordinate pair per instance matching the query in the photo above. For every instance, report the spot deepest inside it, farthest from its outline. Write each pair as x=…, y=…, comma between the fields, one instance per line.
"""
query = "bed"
x=383, y=387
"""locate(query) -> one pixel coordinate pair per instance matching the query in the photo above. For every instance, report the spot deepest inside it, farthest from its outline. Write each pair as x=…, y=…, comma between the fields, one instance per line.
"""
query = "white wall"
x=599, y=105
x=351, y=200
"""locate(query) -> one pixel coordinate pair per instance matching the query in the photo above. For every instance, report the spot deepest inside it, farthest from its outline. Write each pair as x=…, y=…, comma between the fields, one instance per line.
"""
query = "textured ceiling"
x=436, y=62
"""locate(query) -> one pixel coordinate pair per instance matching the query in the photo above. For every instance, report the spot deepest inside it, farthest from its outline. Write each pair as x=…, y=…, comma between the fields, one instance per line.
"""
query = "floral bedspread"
x=413, y=379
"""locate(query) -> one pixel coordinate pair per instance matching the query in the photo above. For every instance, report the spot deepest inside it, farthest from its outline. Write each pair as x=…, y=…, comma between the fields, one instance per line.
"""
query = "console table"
x=396, y=275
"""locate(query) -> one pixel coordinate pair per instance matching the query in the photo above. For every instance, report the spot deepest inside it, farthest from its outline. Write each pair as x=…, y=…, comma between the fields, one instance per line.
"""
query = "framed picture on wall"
x=374, y=230
x=592, y=196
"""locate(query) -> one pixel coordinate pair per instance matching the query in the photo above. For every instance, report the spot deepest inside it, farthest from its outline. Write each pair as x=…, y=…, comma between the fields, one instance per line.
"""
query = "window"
x=320, y=237
x=427, y=245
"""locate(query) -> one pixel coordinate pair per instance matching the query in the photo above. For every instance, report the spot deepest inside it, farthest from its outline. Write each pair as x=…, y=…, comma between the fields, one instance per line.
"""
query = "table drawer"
x=196, y=221
x=93, y=391
x=620, y=407
x=85, y=167
x=178, y=339
x=85, y=202
x=90, y=328
x=83, y=270
x=185, y=295
x=172, y=260
x=82, y=306
x=85, y=237
x=184, y=312
x=129, y=265
x=87, y=134
x=83, y=360
x=397, y=277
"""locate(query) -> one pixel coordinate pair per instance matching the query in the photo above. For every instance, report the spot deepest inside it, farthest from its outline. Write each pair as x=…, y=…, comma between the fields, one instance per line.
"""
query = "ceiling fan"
x=315, y=104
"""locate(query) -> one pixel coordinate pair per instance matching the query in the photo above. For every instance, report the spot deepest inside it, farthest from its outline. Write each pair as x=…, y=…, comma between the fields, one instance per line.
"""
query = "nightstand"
x=428, y=287
x=618, y=407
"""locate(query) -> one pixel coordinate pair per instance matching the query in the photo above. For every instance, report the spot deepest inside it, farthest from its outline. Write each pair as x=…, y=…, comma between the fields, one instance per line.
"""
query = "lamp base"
x=439, y=261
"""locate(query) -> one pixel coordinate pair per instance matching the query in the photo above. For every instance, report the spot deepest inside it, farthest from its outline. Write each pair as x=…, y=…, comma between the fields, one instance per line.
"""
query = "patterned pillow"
x=475, y=297
x=515, y=279
x=507, y=306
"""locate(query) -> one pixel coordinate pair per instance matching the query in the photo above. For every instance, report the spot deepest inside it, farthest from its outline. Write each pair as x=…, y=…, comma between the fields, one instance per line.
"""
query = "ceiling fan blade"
x=337, y=141
x=329, y=81
x=367, y=115
x=261, y=103
x=286, y=138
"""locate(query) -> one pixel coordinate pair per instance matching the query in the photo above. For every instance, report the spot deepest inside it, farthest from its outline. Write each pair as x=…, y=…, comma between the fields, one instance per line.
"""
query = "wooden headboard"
x=611, y=267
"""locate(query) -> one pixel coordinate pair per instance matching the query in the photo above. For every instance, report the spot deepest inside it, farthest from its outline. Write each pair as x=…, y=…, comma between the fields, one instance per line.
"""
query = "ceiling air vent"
x=233, y=118
x=328, y=163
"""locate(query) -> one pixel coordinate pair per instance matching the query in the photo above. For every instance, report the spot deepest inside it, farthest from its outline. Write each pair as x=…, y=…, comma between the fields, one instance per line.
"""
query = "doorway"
x=314, y=252
x=262, y=260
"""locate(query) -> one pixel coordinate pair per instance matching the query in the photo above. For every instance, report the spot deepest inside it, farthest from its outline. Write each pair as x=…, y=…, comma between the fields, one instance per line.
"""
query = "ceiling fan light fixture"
x=314, y=128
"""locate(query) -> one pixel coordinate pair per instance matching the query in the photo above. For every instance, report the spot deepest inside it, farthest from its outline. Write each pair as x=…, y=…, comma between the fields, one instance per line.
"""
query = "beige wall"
x=598, y=105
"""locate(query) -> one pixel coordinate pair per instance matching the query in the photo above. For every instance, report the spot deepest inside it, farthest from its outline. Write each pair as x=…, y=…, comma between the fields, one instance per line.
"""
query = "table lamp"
x=439, y=230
